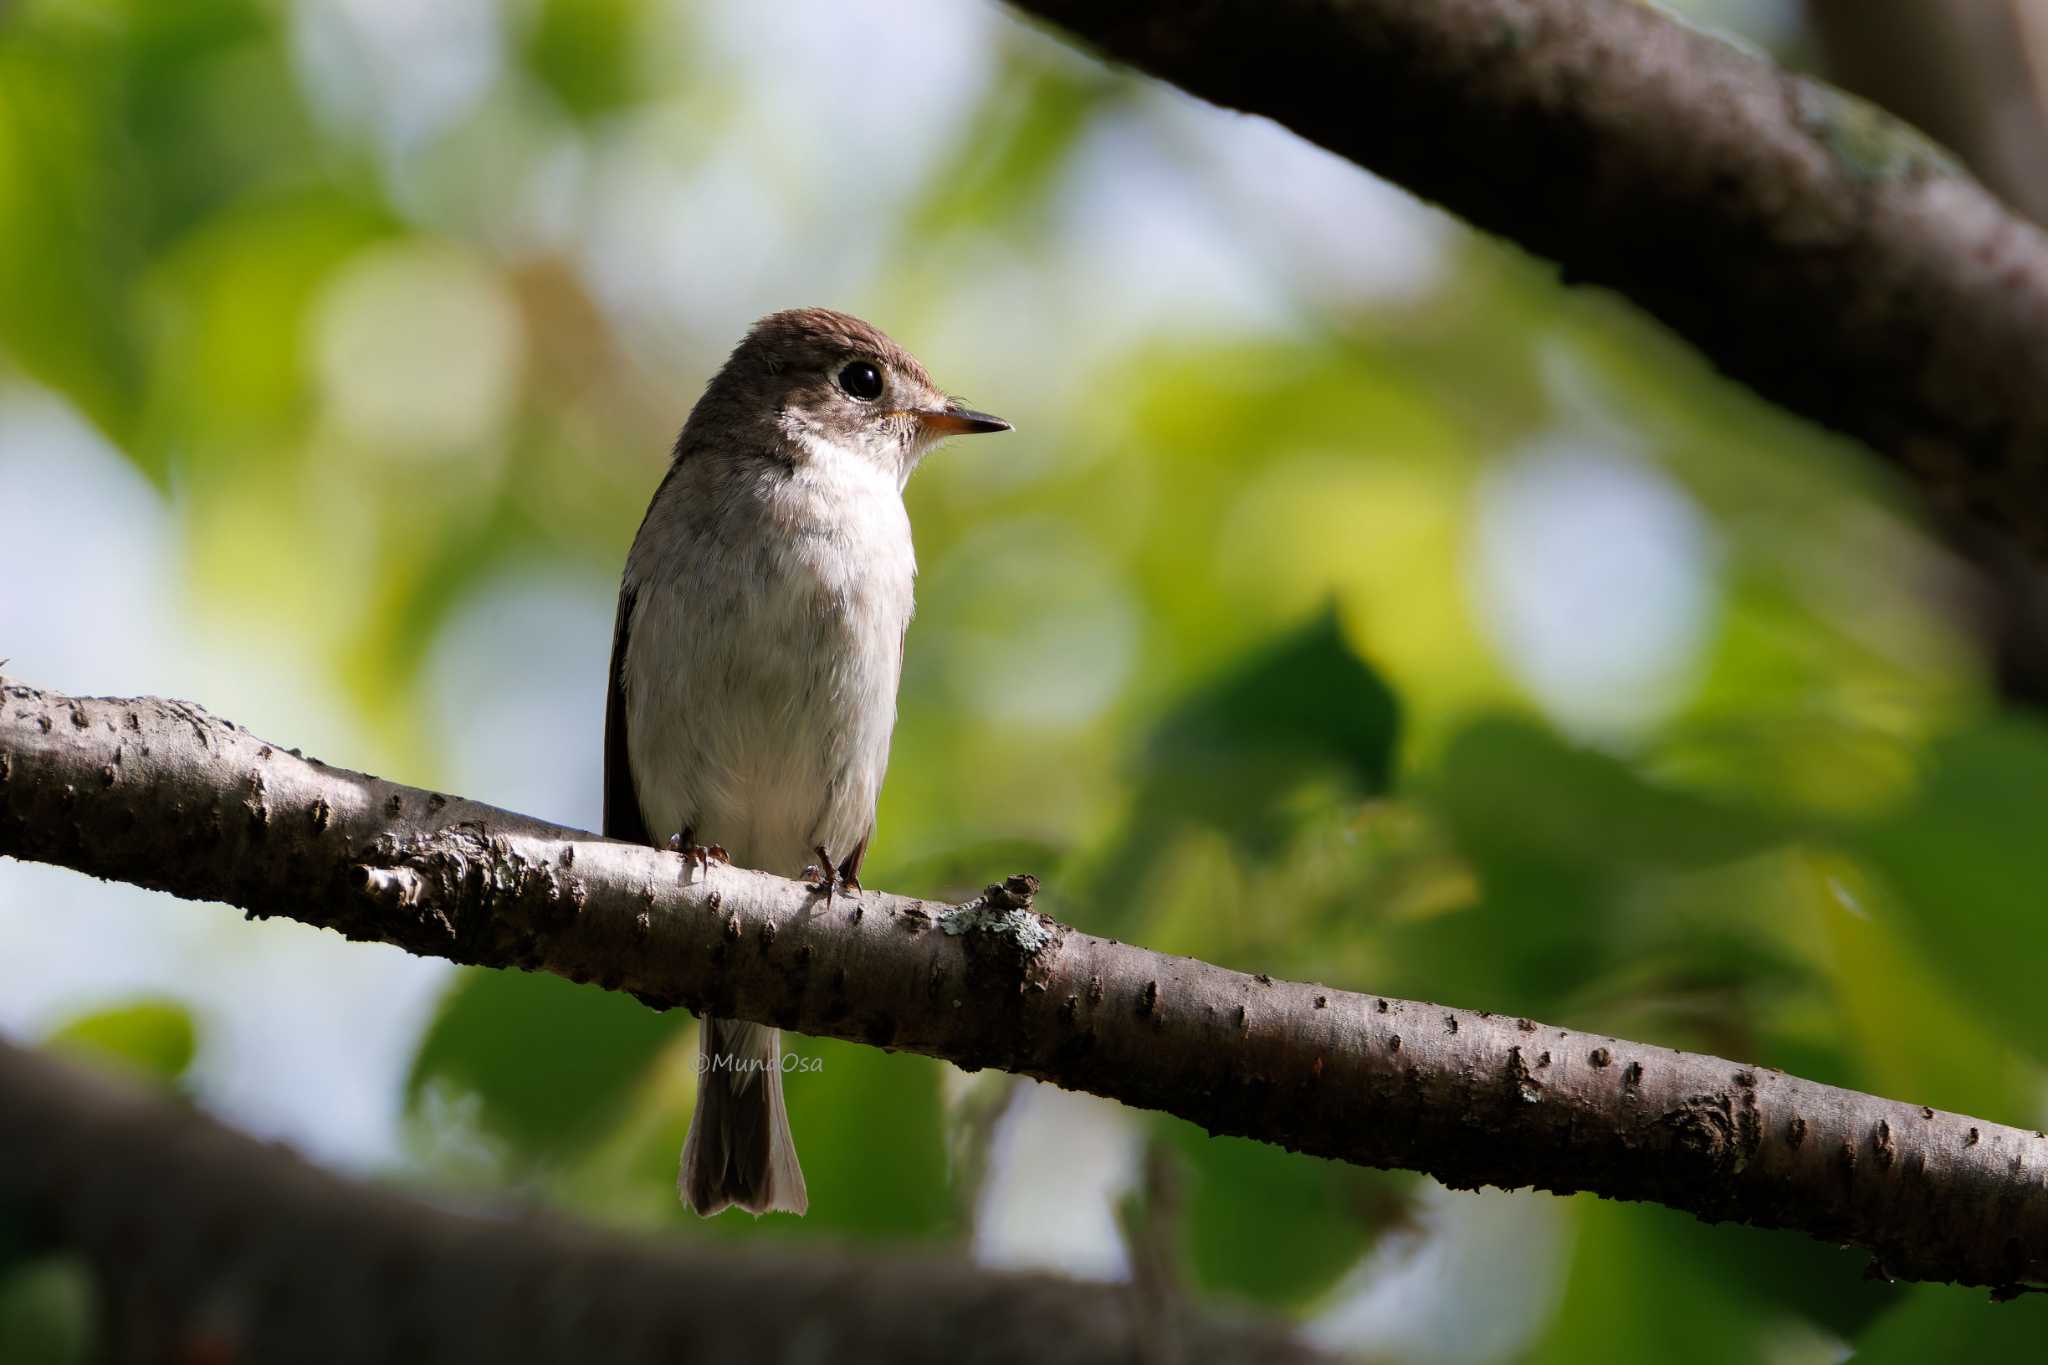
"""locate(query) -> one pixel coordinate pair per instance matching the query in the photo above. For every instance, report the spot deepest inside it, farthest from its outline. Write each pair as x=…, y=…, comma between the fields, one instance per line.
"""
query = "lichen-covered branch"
x=1809, y=245
x=161, y=794
x=206, y=1245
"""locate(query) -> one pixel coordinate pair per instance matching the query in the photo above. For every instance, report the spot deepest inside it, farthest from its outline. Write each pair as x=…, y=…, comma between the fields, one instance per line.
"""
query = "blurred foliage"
x=549, y=1065
x=1314, y=1217
x=46, y=1313
x=1933, y=1324
x=152, y=1038
x=1650, y=1284
x=1965, y=858
x=1298, y=725
x=1224, y=642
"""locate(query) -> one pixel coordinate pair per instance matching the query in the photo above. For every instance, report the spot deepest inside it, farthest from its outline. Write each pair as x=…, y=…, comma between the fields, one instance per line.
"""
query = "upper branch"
x=164, y=795
x=1809, y=245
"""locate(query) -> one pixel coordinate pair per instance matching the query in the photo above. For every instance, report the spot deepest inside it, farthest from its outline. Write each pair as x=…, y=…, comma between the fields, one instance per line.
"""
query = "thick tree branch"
x=208, y=1245
x=1963, y=71
x=164, y=795
x=1807, y=244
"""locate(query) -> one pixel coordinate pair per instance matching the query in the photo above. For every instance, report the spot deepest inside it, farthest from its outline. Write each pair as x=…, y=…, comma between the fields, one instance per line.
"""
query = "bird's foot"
x=826, y=877
x=703, y=855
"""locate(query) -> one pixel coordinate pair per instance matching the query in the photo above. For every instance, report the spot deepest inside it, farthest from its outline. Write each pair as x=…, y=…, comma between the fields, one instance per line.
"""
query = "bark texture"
x=206, y=1245
x=1809, y=245
x=164, y=795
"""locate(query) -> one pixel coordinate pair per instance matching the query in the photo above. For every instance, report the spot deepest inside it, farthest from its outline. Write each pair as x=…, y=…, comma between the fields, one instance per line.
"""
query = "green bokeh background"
x=1209, y=644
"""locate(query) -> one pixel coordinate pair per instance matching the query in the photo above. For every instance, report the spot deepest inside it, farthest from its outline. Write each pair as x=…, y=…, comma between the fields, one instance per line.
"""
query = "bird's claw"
x=825, y=877
x=703, y=855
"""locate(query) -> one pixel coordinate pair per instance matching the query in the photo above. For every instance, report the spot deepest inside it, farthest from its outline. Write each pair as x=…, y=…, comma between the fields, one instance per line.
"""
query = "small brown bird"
x=756, y=658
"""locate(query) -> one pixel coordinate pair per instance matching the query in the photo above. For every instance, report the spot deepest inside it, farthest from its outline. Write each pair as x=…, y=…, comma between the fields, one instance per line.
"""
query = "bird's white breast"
x=765, y=652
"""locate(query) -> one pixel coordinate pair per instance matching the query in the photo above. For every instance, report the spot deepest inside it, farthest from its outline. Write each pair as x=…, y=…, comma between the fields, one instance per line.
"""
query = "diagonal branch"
x=208, y=1245
x=1809, y=245
x=162, y=794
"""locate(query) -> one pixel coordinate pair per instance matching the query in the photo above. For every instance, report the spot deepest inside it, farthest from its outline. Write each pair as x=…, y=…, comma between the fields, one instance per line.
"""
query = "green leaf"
x=1909, y=1032
x=1944, y=1322
x=1304, y=703
x=63, y=313
x=1513, y=789
x=1010, y=153
x=120, y=130
x=551, y=1063
x=189, y=74
x=153, y=1037
x=1965, y=858
x=1581, y=862
x=46, y=1313
x=583, y=51
x=1295, y=726
x=1648, y=1283
x=1312, y=1218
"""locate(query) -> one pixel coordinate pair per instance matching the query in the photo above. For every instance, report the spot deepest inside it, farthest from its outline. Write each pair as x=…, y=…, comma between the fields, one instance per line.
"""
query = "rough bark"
x=164, y=795
x=1809, y=245
x=206, y=1245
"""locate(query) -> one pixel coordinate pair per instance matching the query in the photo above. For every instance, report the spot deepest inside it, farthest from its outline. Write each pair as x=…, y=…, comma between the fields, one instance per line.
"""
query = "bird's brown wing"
x=622, y=817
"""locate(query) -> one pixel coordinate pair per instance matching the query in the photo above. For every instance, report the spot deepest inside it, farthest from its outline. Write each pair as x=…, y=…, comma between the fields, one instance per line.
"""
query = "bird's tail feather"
x=739, y=1150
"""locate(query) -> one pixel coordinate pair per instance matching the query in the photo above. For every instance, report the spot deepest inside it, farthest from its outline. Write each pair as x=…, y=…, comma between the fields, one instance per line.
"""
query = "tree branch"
x=1963, y=72
x=164, y=795
x=1809, y=245
x=209, y=1245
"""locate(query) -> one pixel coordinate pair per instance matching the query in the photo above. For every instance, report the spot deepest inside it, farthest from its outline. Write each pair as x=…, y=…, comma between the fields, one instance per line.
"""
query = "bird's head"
x=830, y=383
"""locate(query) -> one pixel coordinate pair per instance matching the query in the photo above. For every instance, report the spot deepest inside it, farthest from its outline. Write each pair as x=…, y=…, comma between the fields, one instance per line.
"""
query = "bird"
x=755, y=661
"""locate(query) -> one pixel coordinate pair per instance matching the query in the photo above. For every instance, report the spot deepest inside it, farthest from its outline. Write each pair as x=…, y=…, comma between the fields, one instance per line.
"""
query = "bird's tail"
x=739, y=1150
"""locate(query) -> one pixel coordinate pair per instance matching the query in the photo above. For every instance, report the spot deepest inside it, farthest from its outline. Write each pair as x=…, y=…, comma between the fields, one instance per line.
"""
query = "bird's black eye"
x=861, y=380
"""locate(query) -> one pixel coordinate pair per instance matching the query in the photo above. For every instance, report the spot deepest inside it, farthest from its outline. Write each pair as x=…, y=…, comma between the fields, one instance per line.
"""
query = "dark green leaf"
x=1297, y=715
x=1304, y=703
x=1643, y=1287
x=1512, y=789
x=1273, y=1226
x=1967, y=861
x=1579, y=859
x=551, y=1062
x=63, y=312
x=46, y=1313
x=1944, y=1322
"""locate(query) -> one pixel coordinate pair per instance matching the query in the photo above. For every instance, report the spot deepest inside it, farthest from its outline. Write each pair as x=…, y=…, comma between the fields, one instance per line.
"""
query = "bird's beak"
x=955, y=420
